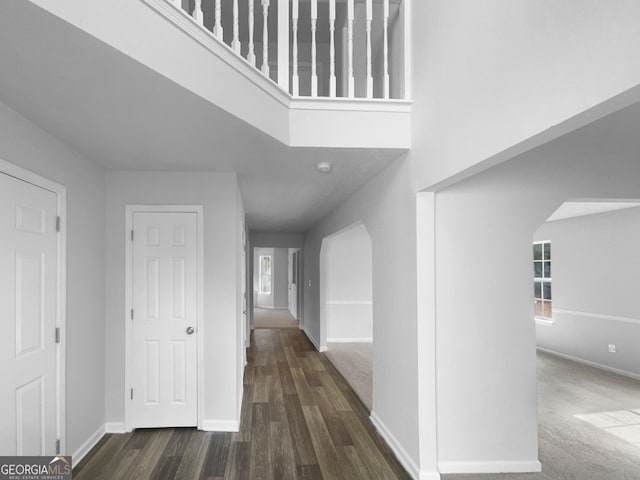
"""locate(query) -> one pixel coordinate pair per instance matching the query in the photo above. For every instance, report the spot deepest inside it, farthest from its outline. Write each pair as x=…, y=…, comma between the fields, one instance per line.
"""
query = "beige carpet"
x=273, y=318
x=354, y=361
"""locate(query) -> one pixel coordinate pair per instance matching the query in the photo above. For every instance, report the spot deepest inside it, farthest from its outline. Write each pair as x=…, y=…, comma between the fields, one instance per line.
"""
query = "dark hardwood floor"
x=300, y=420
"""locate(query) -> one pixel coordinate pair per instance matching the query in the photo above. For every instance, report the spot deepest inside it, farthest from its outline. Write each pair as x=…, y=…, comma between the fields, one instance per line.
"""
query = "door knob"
x=190, y=330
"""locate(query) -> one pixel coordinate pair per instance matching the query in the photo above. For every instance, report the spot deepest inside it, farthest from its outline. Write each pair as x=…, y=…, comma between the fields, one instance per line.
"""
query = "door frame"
x=199, y=211
x=61, y=288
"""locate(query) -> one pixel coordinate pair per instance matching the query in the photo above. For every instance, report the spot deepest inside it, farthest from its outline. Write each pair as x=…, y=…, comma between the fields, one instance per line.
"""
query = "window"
x=542, y=279
x=264, y=284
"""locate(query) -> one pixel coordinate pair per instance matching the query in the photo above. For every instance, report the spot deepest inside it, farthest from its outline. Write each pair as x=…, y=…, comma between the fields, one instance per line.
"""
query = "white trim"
x=589, y=363
x=349, y=302
x=199, y=211
x=207, y=39
x=350, y=340
x=269, y=307
x=220, y=425
x=313, y=340
x=401, y=454
x=547, y=322
x=61, y=288
x=86, y=447
x=506, y=466
x=340, y=104
x=601, y=316
x=115, y=427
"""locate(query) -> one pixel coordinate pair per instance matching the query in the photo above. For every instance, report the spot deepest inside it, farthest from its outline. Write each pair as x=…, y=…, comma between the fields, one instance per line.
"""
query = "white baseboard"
x=313, y=340
x=401, y=454
x=220, y=426
x=590, y=364
x=115, y=427
x=349, y=340
x=524, y=466
x=86, y=447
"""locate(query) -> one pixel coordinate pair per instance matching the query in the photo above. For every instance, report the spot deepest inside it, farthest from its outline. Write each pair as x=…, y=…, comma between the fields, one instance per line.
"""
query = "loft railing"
x=315, y=48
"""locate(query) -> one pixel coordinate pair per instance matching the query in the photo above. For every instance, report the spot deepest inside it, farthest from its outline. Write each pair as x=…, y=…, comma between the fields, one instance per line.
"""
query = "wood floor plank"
x=309, y=472
x=303, y=447
x=217, y=454
x=282, y=454
x=299, y=420
x=238, y=463
x=367, y=446
x=302, y=387
x=150, y=454
x=166, y=468
x=260, y=454
x=337, y=429
x=194, y=457
x=334, y=392
x=322, y=443
x=90, y=467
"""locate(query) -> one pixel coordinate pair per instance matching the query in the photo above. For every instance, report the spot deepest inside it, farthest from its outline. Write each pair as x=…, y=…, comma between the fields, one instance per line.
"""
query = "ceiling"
x=583, y=208
x=122, y=115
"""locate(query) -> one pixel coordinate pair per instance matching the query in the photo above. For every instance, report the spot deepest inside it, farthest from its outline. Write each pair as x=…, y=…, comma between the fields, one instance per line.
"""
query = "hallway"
x=300, y=420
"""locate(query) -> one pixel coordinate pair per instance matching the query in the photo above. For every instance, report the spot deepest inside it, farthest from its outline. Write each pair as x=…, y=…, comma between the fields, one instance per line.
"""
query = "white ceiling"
x=580, y=209
x=123, y=115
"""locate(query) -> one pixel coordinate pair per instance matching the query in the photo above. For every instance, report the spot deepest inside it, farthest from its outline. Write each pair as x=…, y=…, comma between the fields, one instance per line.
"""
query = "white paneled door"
x=164, y=320
x=28, y=292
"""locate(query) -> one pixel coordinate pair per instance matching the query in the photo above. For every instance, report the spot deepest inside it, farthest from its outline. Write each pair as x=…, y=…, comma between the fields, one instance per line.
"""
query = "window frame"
x=542, y=280
x=262, y=274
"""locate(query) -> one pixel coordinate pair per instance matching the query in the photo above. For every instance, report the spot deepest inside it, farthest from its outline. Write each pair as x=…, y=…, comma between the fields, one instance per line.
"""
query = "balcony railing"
x=315, y=48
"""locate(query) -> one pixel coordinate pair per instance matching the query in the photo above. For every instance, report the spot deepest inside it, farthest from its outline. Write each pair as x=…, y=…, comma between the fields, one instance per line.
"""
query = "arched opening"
x=490, y=383
x=346, y=306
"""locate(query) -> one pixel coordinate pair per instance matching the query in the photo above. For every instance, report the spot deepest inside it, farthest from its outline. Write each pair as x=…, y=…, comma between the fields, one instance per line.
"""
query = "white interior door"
x=164, y=356
x=28, y=291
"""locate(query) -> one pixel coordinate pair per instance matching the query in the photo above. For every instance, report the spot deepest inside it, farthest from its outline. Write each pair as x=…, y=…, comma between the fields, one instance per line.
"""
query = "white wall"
x=348, y=278
x=26, y=145
x=485, y=328
x=489, y=75
x=218, y=193
x=595, y=268
x=386, y=206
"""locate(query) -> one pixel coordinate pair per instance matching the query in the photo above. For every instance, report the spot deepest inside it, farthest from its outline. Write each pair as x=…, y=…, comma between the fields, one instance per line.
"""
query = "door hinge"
x=132, y=235
x=58, y=224
x=132, y=394
x=57, y=334
x=58, y=446
x=132, y=314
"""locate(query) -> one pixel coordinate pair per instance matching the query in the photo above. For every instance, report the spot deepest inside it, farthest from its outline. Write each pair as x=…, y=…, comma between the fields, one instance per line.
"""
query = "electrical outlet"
x=612, y=348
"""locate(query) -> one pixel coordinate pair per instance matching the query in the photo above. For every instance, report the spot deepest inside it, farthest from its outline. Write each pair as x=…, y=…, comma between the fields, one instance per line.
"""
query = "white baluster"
x=294, y=24
x=235, y=43
x=217, y=29
x=386, y=48
x=332, y=48
x=265, y=37
x=369, y=68
x=314, y=67
x=351, y=80
x=251, y=56
x=198, y=16
x=283, y=34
